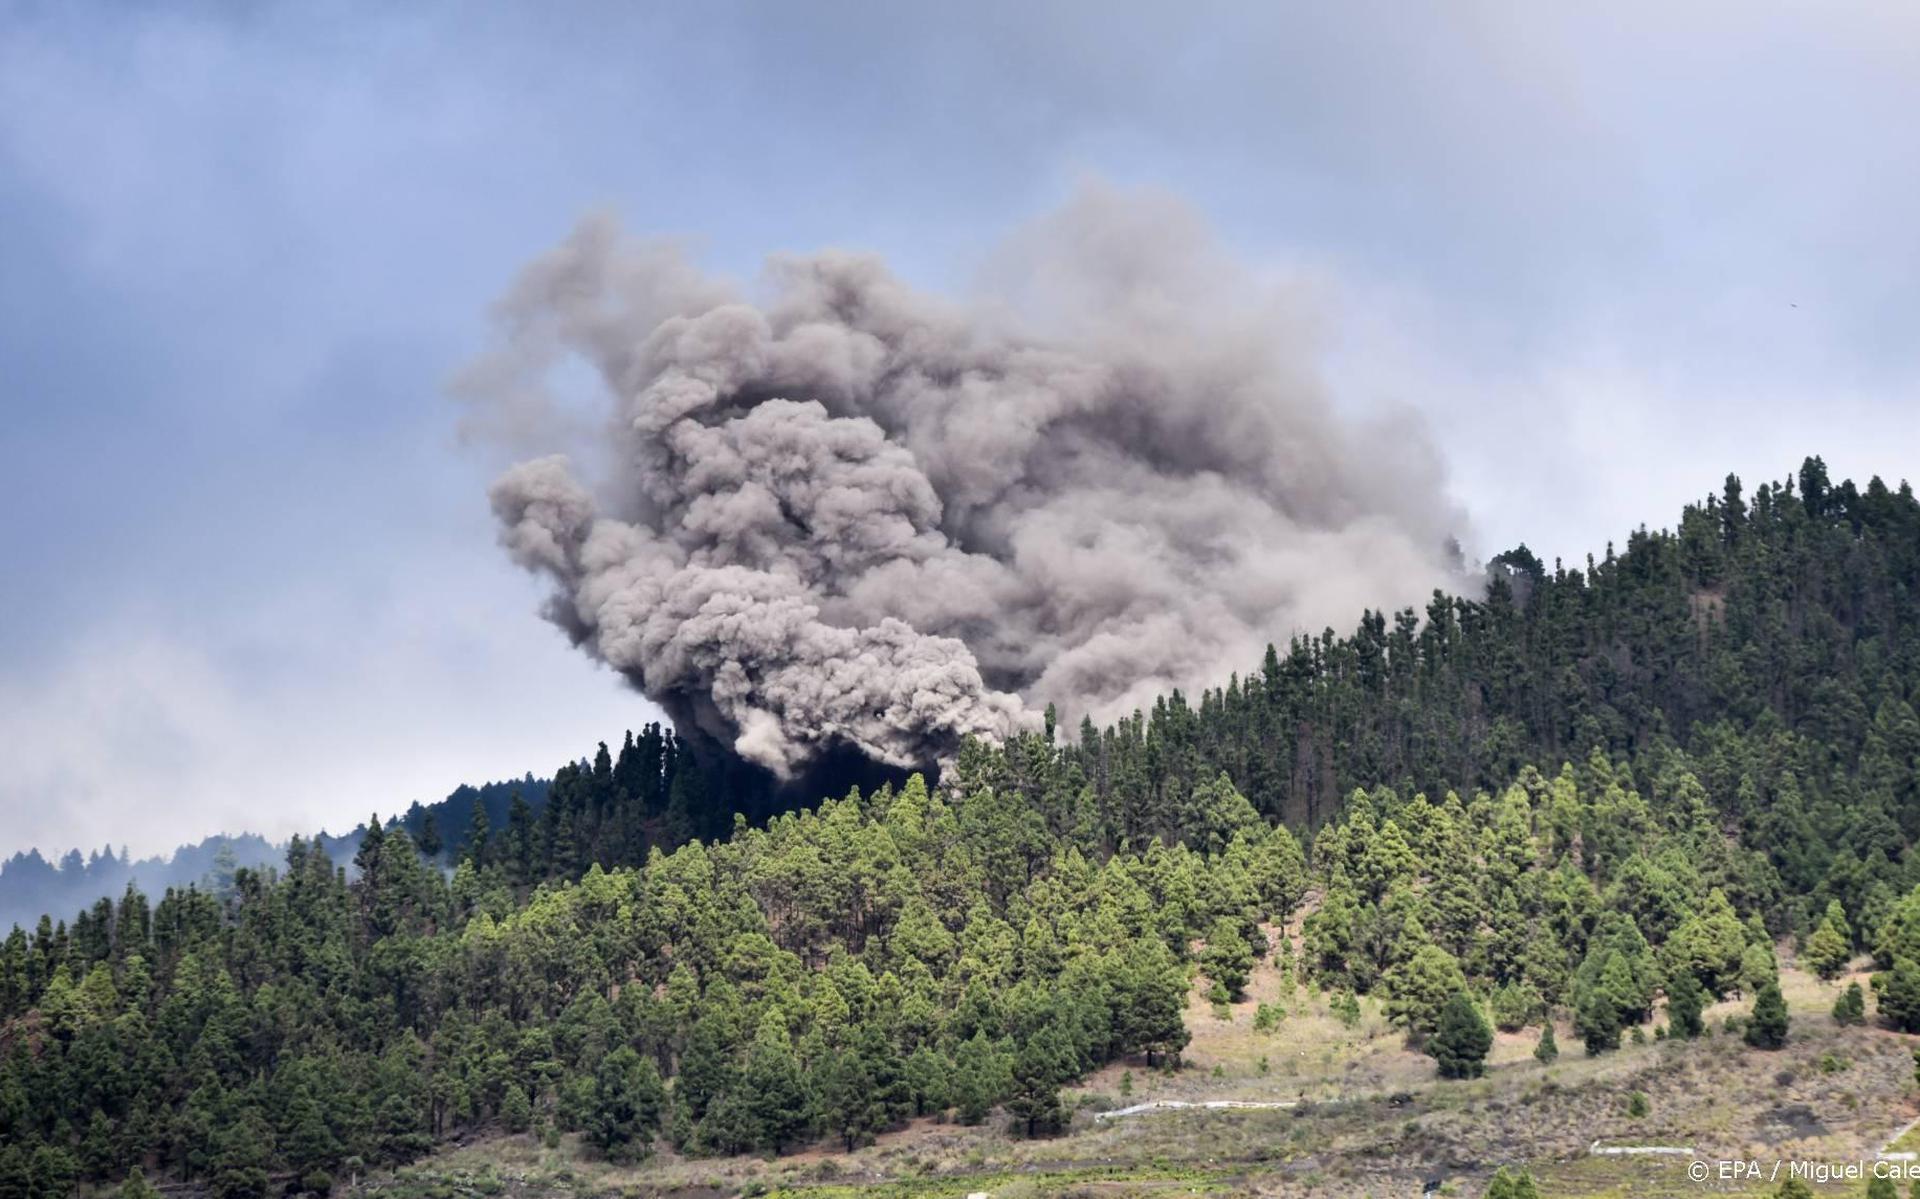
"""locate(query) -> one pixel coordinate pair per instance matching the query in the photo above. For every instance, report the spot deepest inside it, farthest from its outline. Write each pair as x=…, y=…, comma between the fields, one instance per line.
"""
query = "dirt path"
x=1895, y=1138
x=1158, y=1105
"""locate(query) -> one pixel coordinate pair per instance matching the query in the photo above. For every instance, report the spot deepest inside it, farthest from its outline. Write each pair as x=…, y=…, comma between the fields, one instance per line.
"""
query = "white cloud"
x=1574, y=441
x=151, y=732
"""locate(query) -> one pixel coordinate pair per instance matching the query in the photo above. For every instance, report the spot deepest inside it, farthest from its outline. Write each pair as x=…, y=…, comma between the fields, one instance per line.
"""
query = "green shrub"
x=1851, y=1007
x=1510, y=1182
x=1514, y=1006
x=1548, y=1049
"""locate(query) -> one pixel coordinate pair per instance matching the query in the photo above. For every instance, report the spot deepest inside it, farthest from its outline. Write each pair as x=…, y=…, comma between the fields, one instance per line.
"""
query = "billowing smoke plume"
x=845, y=513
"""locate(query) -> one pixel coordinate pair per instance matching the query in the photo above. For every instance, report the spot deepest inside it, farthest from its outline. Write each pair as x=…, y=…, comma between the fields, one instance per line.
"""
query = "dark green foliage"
x=52, y=1171
x=1830, y=947
x=1851, y=1007
x=1767, y=1026
x=1603, y=1006
x=1514, y=1006
x=310, y=1147
x=1039, y=1067
x=427, y=839
x=1227, y=959
x=1548, y=1050
x=929, y=1076
x=16, y=1171
x=1268, y=1017
x=1898, y=992
x=477, y=848
x=1510, y=1182
x=982, y=1074
x=516, y=1112
x=1686, y=1003
x=774, y=1090
x=242, y=1150
x=1150, y=994
x=1420, y=989
x=137, y=1187
x=846, y=1106
x=1461, y=1040
x=625, y=1111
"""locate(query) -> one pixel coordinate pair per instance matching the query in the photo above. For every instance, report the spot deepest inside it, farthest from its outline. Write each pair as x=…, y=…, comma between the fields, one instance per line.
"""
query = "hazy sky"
x=250, y=580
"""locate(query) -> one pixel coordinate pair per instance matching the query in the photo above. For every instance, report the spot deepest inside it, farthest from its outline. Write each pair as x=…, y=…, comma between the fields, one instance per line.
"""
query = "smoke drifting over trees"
x=840, y=513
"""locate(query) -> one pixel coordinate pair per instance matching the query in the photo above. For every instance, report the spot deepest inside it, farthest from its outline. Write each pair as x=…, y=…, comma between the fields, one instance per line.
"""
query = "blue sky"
x=250, y=581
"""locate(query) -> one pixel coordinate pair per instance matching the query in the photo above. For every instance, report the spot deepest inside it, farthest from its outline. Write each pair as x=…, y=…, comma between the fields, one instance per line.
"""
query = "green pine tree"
x=1767, y=1026
x=1827, y=951
x=1227, y=958
x=1686, y=1002
x=1851, y=1006
x=1461, y=1039
x=625, y=1106
x=137, y=1187
x=1038, y=1069
x=516, y=1111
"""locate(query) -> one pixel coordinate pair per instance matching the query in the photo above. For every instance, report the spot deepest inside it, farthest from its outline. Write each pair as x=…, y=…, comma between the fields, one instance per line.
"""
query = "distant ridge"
x=31, y=884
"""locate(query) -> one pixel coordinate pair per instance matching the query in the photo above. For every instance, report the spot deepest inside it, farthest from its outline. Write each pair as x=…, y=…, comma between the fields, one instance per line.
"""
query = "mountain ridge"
x=33, y=885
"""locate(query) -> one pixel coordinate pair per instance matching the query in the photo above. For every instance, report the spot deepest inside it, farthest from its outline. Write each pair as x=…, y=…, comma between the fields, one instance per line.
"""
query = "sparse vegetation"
x=1717, y=1094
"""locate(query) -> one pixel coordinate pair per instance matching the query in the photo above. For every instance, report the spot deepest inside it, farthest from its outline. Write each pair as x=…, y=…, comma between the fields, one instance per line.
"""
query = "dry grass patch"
x=1373, y=1119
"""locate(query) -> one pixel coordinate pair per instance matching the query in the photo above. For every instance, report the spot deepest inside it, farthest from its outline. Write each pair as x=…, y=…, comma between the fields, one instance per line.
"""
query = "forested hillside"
x=31, y=886
x=1794, y=612
x=1588, y=789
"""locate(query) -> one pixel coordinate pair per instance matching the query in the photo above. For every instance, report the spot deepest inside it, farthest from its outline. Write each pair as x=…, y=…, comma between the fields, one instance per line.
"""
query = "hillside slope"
x=1596, y=798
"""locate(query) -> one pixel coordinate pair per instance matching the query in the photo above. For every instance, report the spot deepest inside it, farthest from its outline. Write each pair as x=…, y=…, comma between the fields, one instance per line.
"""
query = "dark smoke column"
x=850, y=517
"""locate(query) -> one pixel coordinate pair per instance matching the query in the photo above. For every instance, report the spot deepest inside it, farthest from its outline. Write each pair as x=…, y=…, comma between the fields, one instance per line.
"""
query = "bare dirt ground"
x=1370, y=1119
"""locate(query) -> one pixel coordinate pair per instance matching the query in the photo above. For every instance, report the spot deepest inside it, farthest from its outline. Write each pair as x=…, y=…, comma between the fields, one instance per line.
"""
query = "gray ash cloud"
x=837, y=512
